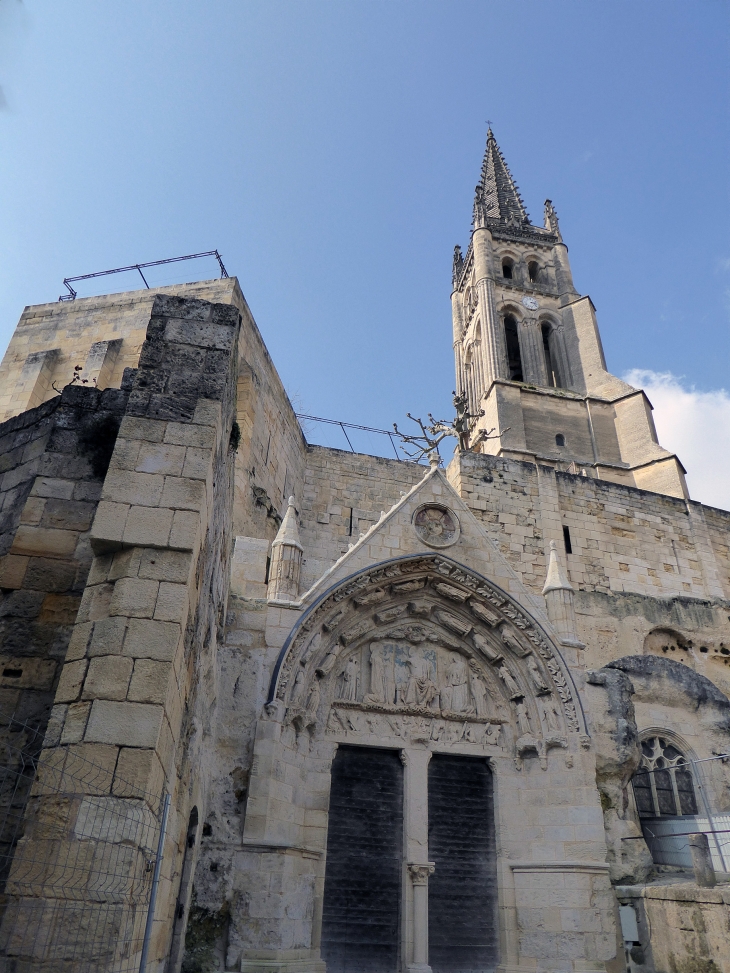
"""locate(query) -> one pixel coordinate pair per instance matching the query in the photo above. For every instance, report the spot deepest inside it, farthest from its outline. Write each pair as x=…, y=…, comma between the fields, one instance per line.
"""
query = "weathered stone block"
x=124, y=723
x=150, y=681
x=187, y=434
x=183, y=493
x=148, y=526
x=161, y=458
x=134, y=597
x=72, y=678
x=126, y=486
x=185, y=532
x=107, y=677
x=41, y=540
x=12, y=570
x=138, y=773
x=166, y=566
x=108, y=636
x=108, y=526
x=74, y=723
x=148, y=639
x=172, y=602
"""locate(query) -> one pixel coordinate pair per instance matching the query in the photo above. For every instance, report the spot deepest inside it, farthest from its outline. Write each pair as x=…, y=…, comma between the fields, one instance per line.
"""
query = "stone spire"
x=286, y=559
x=558, y=592
x=497, y=196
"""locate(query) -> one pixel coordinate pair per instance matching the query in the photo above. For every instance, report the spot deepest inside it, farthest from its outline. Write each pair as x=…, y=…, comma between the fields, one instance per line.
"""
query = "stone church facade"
x=409, y=717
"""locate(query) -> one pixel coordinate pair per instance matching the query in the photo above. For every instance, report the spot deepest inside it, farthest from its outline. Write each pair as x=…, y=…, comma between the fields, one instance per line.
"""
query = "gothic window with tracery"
x=663, y=785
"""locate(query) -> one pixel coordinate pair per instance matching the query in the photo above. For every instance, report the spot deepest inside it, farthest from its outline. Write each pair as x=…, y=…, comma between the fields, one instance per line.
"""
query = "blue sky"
x=329, y=150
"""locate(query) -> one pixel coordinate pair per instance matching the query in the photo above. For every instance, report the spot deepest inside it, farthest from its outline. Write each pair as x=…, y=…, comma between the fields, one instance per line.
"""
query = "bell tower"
x=528, y=351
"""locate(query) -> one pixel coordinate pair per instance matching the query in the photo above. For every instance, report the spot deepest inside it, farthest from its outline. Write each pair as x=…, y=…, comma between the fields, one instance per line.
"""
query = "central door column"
x=419, y=867
x=419, y=877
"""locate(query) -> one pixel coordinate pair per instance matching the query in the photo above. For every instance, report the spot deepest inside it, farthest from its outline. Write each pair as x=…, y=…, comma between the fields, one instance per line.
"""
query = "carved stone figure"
x=421, y=689
x=511, y=642
x=523, y=717
x=536, y=676
x=310, y=714
x=485, y=647
x=549, y=714
x=479, y=691
x=327, y=664
x=509, y=680
x=298, y=687
x=455, y=694
x=378, y=689
x=348, y=681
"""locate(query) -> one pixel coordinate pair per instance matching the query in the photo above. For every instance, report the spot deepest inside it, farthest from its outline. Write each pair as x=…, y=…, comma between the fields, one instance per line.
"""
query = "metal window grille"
x=78, y=855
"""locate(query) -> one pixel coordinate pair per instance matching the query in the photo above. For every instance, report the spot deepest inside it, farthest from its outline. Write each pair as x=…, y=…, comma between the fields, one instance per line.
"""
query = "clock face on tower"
x=530, y=303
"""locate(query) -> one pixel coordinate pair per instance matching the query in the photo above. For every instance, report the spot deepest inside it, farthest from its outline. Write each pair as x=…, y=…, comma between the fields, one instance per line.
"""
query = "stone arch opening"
x=423, y=658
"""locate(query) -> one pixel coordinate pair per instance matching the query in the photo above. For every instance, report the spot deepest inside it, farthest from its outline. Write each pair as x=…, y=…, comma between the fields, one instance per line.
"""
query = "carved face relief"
x=436, y=525
x=452, y=666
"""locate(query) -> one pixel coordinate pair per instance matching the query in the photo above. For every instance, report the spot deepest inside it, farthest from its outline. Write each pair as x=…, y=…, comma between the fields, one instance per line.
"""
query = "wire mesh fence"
x=78, y=849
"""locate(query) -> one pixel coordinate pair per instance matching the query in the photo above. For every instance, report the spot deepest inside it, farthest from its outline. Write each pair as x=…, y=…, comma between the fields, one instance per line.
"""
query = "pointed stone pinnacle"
x=289, y=532
x=556, y=579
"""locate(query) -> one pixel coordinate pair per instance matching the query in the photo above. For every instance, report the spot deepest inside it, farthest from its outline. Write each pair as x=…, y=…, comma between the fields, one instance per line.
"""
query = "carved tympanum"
x=457, y=663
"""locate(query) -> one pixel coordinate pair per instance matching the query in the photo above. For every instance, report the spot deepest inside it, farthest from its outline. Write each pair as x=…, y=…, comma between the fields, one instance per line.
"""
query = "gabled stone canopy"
x=394, y=535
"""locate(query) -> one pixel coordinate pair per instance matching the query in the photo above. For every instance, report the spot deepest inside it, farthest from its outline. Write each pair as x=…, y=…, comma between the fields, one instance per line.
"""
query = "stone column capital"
x=420, y=871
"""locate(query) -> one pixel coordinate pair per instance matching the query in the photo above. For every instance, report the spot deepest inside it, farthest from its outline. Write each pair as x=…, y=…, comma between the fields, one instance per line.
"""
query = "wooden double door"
x=362, y=926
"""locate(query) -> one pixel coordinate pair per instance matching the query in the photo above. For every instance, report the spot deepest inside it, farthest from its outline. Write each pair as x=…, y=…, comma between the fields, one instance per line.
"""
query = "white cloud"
x=696, y=426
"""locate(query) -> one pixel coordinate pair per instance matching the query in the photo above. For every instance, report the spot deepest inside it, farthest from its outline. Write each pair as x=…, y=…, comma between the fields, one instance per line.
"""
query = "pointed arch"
x=457, y=649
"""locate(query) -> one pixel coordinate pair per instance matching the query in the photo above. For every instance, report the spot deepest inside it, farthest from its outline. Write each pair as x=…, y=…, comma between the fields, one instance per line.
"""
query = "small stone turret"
x=558, y=593
x=286, y=559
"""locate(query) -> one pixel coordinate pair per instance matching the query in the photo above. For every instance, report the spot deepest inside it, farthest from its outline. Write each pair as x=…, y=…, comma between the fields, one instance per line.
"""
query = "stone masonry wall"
x=104, y=335
x=139, y=684
x=622, y=539
x=54, y=459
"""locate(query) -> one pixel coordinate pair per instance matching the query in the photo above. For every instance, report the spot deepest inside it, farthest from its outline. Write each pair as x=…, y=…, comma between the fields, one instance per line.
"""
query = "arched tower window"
x=533, y=269
x=514, y=357
x=551, y=363
x=507, y=266
x=663, y=785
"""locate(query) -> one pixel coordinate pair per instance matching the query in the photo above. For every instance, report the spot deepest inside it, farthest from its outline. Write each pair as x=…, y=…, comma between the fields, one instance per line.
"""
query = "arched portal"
x=422, y=659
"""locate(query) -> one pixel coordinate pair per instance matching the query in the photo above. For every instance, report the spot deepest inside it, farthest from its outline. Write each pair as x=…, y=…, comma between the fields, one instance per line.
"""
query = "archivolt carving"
x=424, y=650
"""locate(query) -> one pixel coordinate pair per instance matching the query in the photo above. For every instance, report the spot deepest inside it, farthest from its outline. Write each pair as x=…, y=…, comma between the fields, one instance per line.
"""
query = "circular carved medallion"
x=437, y=526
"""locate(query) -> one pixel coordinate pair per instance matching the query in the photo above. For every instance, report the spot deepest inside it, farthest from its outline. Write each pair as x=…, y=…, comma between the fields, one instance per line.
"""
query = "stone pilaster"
x=494, y=354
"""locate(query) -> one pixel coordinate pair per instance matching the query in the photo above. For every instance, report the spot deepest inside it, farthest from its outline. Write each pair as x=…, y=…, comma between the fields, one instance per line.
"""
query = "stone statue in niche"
x=327, y=664
x=298, y=687
x=541, y=687
x=378, y=689
x=455, y=694
x=511, y=642
x=311, y=648
x=510, y=683
x=421, y=690
x=485, y=647
x=549, y=714
x=348, y=681
x=479, y=691
x=523, y=717
x=310, y=712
